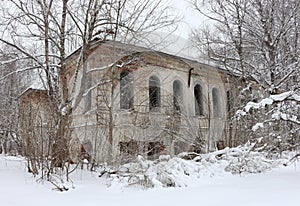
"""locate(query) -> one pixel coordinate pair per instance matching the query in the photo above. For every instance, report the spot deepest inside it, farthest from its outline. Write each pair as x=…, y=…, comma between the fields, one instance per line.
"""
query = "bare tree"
x=258, y=41
x=9, y=91
x=45, y=32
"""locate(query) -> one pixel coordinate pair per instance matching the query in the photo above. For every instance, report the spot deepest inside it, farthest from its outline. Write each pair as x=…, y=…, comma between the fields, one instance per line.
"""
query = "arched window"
x=154, y=93
x=177, y=95
x=229, y=101
x=216, y=102
x=198, y=95
x=126, y=90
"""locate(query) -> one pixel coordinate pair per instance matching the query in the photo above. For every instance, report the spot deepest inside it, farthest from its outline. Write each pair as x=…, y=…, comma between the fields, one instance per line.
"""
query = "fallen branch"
x=292, y=160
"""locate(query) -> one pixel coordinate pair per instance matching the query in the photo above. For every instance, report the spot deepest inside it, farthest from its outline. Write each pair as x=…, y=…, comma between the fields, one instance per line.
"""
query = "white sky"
x=191, y=18
x=178, y=42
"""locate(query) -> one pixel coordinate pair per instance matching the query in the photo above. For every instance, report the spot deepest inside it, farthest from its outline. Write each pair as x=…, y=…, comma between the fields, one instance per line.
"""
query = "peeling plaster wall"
x=139, y=124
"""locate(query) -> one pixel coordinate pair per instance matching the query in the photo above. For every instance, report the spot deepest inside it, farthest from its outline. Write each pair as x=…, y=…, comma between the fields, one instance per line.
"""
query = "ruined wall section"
x=164, y=129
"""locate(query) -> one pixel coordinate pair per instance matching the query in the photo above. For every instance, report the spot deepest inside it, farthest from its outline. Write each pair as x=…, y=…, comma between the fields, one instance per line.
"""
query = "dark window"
x=216, y=102
x=126, y=90
x=177, y=95
x=198, y=94
x=229, y=101
x=220, y=144
x=154, y=93
x=154, y=148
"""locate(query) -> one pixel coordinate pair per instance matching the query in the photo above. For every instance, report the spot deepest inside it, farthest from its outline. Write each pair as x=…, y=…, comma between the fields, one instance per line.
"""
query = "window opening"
x=198, y=94
x=126, y=90
x=177, y=95
x=154, y=93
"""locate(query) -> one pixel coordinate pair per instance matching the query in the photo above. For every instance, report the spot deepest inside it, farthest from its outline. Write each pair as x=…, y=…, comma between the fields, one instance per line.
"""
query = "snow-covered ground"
x=279, y=186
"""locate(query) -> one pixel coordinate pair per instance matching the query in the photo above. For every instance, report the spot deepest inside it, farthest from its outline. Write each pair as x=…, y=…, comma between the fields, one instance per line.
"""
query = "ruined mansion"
x=137, y=101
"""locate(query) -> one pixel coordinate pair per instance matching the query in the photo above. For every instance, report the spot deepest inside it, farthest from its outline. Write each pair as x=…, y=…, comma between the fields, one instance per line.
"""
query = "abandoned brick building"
x=140, y=101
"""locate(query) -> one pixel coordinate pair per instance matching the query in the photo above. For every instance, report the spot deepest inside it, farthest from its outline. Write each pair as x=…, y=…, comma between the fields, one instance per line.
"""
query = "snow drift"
x=178, y=171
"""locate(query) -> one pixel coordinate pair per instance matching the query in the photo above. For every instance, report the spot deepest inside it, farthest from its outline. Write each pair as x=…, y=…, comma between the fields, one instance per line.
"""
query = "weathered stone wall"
x=36, y=123
x=139, y=127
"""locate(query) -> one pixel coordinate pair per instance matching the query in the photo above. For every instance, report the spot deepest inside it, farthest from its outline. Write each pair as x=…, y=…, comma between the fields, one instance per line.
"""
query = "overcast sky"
x=191, y=18
x=178, y=43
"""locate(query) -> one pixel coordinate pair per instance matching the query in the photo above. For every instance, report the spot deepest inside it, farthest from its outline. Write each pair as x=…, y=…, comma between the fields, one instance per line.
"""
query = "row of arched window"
x=127, y=95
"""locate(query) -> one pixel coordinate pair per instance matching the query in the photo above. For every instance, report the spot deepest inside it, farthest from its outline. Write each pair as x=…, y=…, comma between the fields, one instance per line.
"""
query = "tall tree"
x=9, y=91
x=47, y=31
x=259, y=41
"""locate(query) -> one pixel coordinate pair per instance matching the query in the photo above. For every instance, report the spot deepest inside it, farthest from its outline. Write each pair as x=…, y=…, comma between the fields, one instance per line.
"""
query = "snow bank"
x=178, y=171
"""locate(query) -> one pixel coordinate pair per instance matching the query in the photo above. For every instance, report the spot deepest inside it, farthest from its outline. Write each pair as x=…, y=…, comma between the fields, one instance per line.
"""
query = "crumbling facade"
x=139, y=101
x=135, y=101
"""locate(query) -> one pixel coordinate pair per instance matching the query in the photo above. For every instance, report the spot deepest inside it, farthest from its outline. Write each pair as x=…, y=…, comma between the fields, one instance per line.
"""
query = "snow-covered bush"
x=178, y=171
x=163, y=172
x=275, y=120
x=253, y=163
